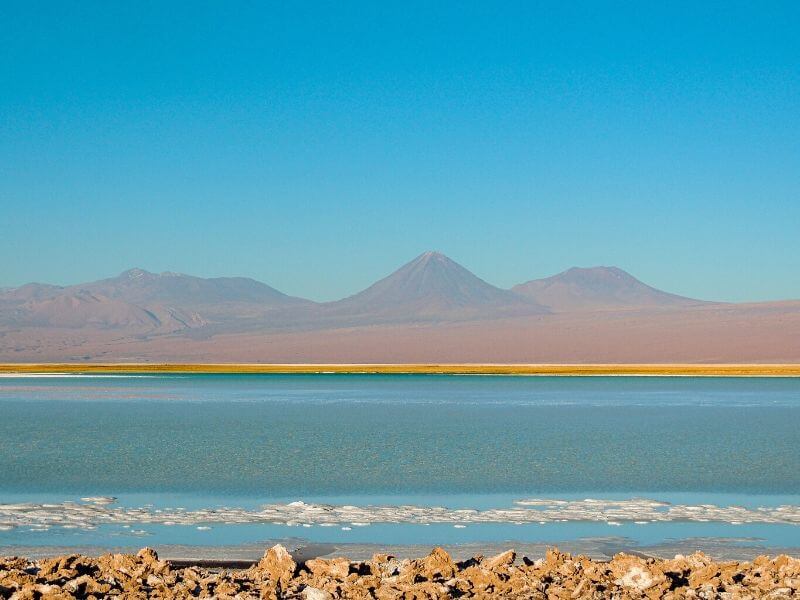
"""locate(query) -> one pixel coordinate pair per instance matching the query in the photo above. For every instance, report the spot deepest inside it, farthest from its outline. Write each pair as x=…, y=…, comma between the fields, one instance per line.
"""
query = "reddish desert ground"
x=707, y=334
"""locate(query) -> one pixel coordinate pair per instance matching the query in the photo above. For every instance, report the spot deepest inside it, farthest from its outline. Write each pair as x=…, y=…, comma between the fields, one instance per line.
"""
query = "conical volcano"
x=432, y=287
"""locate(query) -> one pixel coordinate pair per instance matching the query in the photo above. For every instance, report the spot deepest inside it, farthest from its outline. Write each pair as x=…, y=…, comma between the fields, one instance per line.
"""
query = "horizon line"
x=493, y=369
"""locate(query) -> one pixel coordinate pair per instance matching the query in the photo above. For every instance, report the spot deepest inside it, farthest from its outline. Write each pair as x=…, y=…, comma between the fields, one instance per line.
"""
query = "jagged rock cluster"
x=276, y=575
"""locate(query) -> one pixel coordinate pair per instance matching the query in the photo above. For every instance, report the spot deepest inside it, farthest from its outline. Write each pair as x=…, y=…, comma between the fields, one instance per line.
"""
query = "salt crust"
x=95, y=511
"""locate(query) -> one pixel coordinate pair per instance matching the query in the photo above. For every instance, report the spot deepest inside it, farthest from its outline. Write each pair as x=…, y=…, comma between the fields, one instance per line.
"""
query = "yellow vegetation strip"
x=727, y=370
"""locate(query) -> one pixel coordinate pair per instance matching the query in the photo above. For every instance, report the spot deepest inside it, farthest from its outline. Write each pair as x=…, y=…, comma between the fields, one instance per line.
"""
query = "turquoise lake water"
x=461, y=442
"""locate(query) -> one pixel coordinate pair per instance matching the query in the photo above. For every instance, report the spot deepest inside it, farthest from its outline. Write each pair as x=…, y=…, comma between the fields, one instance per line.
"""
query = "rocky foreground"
x=276, y=575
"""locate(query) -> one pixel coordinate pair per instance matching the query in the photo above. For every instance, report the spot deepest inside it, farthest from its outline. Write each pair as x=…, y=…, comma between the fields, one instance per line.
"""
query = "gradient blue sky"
x=317, y=146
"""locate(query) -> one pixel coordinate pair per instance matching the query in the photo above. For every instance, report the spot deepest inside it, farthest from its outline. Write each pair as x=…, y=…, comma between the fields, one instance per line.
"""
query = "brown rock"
x=501, y=561
x=557, y=576
x=383, y=565
x=85, y=585
x=335, y=568
x=63, y=566
x=278, y=565
x=634, y=573
x=436, y=566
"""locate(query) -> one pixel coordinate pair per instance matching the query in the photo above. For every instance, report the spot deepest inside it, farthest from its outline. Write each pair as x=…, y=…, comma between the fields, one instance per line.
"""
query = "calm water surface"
x=456, y=441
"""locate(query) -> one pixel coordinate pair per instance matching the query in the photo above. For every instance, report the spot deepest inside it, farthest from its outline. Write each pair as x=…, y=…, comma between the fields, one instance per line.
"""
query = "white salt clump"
x=100, y=499
x=636, y=578
x=614, y=512
x=311, y=593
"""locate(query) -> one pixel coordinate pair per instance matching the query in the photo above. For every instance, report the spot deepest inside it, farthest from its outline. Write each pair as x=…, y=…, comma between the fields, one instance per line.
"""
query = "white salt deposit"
x=93, y=513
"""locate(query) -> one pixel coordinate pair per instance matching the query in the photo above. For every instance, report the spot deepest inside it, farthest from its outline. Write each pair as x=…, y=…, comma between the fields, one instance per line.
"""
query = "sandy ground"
x=762, y=333
x=729, y=370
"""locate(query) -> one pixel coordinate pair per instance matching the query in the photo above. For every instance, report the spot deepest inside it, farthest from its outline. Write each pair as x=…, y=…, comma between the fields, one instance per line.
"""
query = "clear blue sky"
x=317, y=146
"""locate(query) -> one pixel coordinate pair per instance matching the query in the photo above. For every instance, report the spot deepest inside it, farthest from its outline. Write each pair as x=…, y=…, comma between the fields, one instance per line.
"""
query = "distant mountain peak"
x=597, y=288
x=144, y=288
x=432, y=255
x=432, y=258
x=433, y=286
x=601, y=269
x=600, y=273
x=136, y=273
x=431, y=268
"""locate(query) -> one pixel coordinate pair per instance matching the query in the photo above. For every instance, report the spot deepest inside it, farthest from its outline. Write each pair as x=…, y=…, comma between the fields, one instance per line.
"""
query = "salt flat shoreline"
x=635, y=370
x=437, y=575
x=600, y=549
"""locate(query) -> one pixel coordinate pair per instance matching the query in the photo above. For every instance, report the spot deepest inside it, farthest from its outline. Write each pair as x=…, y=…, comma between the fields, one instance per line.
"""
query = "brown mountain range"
x=431, y=310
